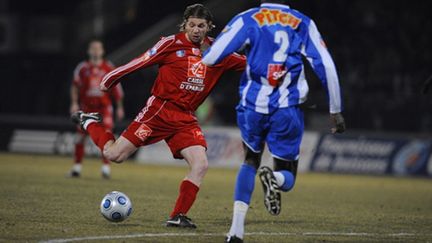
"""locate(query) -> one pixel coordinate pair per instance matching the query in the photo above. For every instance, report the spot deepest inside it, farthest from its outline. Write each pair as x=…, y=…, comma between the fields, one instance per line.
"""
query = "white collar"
x=280, y=5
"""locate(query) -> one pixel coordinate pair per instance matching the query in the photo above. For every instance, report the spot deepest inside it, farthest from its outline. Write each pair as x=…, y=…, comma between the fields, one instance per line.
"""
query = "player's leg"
x=197, y=159
x=114, y=150
x=253, y=130
x=285, y=172
x=283, y=140
x=285, y=146
x=189, y=187
x=190, y=145
x=107, y=114
x=119, y=150
x=78, y=154
x=244, y=187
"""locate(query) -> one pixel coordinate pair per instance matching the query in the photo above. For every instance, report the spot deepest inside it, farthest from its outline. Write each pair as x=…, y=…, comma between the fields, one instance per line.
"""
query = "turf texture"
x=38, y=203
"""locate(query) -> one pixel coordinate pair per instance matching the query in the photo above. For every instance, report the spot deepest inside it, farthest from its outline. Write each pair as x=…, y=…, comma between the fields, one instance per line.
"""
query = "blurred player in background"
x=275, y=38
x=87, y=96
x=181, y=86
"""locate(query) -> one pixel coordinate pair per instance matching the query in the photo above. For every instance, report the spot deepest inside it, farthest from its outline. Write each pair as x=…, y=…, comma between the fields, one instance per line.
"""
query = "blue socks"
x=245, y=183
x=288, y=182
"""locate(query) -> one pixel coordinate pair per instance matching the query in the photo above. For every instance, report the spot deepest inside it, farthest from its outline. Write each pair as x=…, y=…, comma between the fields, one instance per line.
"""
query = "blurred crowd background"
x=382, y=50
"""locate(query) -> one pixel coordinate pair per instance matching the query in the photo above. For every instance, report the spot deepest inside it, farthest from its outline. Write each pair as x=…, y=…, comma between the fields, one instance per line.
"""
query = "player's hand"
x=339, y=123
x=120, y=113
x=73, y=108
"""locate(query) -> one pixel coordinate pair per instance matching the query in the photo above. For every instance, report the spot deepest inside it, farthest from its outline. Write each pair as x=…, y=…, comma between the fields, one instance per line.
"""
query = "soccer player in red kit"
x=181, y=86
x=87, y=96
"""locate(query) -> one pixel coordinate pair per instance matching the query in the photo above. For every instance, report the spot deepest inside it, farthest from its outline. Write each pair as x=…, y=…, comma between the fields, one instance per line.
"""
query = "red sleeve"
x=109, y=65
x=235, y=62
x=77, y=74
x=154, y=55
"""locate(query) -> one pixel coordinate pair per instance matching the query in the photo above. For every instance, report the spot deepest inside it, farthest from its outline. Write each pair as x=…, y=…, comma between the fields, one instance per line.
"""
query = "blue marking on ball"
x=116, y=216
x=129, y=212
x=122, y=200
x=107, y=203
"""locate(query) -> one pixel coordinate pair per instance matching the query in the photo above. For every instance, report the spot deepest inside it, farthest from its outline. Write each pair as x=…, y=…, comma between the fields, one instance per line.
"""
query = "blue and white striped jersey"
x=275, y=38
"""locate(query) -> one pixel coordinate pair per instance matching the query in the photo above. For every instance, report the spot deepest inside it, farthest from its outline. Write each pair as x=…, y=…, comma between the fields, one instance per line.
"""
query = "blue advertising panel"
x=372, y=155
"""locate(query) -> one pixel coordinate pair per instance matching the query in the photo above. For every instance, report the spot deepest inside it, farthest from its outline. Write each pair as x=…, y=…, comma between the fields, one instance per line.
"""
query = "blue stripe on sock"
x=245, y=183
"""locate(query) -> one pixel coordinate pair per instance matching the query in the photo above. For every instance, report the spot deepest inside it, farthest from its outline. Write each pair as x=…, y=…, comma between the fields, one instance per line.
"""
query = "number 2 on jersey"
x=281, y=38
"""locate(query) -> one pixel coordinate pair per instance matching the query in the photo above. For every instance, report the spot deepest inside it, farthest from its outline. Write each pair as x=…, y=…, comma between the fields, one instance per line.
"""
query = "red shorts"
x=163, y=120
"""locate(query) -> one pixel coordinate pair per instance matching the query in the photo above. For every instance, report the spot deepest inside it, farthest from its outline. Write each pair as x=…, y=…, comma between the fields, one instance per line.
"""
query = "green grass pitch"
x=38, y=203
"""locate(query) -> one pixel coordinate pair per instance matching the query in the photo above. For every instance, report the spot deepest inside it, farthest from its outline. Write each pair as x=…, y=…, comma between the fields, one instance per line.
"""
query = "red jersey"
x=87, y=77
x=182, y=78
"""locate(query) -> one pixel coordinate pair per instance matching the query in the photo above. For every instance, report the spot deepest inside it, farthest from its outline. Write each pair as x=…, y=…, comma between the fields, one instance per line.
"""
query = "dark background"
x=382, y=50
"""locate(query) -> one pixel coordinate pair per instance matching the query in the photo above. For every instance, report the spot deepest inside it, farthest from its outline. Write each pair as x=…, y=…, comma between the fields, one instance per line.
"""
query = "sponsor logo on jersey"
x=180, y=53
x=275, y=16
x=275, y=74
x=196, y=74
x=195, y=68
x=143, y=132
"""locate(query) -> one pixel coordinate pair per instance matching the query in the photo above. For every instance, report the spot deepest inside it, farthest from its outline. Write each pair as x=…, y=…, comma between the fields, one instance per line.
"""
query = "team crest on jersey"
x=143, y=132
x=152, y=51
x=196, y=51
x=180, y=53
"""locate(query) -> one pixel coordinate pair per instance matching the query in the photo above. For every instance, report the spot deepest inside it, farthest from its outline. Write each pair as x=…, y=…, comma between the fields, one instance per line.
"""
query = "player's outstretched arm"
x=232, y=38
x=322, y=63
x=113, y=77
x=151, y=57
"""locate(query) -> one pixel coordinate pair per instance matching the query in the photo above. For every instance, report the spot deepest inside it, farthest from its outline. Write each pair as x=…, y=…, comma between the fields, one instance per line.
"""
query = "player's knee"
x=290, y=166
x=200, y=166
x=251, y=158
x=114, y=155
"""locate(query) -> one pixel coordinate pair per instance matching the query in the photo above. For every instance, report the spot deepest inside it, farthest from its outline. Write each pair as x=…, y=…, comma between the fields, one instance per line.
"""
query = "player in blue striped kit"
x=273, y=86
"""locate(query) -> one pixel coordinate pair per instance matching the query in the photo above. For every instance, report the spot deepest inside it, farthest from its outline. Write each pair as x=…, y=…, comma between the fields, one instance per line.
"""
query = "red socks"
x=105, y=160
x=99, y=134
x=79, y=152
x=186, y=198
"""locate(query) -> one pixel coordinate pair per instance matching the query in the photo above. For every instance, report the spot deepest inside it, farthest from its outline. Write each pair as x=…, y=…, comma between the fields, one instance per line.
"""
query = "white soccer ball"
x=116, y=206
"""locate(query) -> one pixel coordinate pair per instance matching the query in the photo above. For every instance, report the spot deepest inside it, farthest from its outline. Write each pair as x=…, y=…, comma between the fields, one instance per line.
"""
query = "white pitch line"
x=157, y=235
